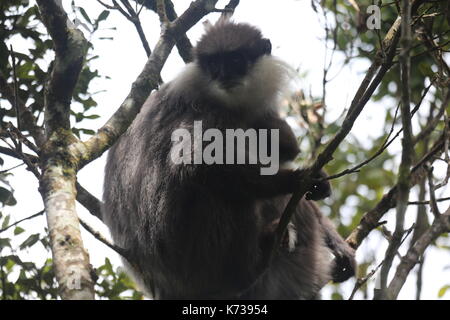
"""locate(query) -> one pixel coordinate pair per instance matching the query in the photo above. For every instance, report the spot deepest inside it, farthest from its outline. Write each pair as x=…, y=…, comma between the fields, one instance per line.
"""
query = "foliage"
x=19, y=277
x=354, y=194
x=348, y=34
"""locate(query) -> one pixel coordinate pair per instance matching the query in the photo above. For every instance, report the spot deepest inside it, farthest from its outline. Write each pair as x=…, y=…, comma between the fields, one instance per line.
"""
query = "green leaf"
x=18, y=230
x=5, y=222
x=31, y=240
x=108, y=265
x=102, y=16
x=443, y=290
x=11, y=261
x=332, y=129
x=336, y=296
x=93, y=116
x=5, y=243
x=6, y=197
x=85, y=15
x=87, y=131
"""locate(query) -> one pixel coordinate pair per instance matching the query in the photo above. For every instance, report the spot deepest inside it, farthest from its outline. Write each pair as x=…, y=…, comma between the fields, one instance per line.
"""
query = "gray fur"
x=199, y=231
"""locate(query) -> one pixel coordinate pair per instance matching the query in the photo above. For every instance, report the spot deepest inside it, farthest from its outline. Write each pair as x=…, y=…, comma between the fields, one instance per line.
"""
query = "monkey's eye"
x=236, y=59
x=213, y=67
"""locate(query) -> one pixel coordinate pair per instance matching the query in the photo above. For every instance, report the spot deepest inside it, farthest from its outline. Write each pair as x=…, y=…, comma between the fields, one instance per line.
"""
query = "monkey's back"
x=193, y=235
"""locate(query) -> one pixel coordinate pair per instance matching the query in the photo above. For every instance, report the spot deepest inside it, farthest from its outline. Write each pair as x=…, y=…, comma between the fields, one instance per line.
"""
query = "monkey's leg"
x=344, y=261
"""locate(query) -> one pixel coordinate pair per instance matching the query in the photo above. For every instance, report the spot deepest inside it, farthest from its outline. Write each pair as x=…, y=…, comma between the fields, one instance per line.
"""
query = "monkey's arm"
x=288, y=144
x=344, y=264
x=247, y=180
x=288, y=151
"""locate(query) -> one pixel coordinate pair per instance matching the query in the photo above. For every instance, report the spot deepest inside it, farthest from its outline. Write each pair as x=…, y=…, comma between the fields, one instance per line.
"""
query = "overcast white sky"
x=296, y=34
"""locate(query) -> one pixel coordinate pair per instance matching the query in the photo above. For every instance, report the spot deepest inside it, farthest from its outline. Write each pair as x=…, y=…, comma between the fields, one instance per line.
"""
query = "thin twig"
x=141, y=88
x=431, y=125
x=386, y=143
x=124, y=253
x=24, y=219
x=121, y=10
x=360, y=100
x=12, y=153
x=431, y=190
x=361, y=281
x=446, y=151
x=22, y=139
x=28, y=121
x=404, y=175
x=137, y=24
x=29, y=160
x=12, y=168
x=16, y=89
x=107, y=6
x=439, y=226
x=428, y=201
x=91, y=203
x=370, y=219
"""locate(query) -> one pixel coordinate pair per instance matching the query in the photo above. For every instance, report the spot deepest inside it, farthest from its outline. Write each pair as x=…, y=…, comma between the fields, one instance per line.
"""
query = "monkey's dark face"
x=230, y=67
x=234, y=65
x=228, y=51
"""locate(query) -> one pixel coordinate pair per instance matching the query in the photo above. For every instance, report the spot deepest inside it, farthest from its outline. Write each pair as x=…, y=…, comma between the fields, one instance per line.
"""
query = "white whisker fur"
x=250, y=92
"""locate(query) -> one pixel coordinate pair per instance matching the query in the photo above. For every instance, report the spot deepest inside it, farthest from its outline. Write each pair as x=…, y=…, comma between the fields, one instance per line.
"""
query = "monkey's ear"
x=267, y=46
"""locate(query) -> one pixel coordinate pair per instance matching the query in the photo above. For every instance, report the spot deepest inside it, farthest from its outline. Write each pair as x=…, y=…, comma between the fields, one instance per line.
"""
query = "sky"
x=296, y=34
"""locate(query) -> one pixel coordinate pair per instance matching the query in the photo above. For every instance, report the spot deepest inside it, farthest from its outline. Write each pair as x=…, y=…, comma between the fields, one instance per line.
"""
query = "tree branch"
x=361, y=98
x=57, y=183
x=404, y=175
x=183, y=43
x=124, y=253
x=28, y=120
x=440, y=225
x=370, y=220
x=387, y=142
x=134, y=18
x=40, y=213
x=428, y=201
x=141, y=88
x=91, y=203
x=70, y=50
x=16, y=88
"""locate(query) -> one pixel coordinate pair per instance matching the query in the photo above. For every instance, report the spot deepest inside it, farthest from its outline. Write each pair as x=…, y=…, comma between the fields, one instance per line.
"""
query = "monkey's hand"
x=344, y=264
x=321, y=188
